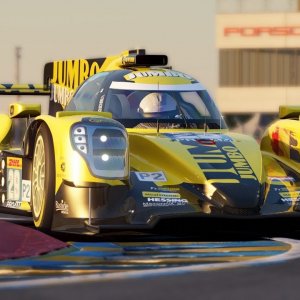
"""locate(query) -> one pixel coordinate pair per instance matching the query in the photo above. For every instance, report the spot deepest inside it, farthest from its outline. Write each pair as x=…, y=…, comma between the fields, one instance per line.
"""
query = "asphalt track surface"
x=273, y=281
x=278, y=281
x=261, y=269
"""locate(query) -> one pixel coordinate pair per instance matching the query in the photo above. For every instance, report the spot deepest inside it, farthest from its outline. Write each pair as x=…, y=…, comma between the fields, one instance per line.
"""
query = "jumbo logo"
x=240, y=164
x=70, y=73
x=67, y=75
x=14, y=163
x=142, y=74
x=220, y=161
x=61, y=94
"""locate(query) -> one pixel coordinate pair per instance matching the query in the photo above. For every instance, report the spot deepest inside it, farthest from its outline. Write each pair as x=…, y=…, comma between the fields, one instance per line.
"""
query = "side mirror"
x=286, y=111
x=22, y=110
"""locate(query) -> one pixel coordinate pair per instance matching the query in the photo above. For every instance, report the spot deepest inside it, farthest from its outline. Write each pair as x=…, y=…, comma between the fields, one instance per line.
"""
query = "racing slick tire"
x=43, y=179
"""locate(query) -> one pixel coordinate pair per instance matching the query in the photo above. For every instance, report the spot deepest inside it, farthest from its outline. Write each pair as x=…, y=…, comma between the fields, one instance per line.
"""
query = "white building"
x=259, y=57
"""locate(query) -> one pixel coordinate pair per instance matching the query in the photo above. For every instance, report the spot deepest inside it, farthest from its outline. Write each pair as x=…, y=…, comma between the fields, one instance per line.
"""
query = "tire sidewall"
x=44, y=220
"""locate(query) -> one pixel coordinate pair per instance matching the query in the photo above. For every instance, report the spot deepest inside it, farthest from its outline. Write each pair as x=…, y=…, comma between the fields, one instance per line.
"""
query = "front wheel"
x=43, y=179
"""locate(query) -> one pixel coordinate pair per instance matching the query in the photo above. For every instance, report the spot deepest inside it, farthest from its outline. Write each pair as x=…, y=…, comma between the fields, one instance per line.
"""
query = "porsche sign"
x=258, y=30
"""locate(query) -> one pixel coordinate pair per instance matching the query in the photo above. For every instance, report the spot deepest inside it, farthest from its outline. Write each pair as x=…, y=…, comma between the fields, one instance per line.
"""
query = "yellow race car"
x=281, y=156
x=129, y=143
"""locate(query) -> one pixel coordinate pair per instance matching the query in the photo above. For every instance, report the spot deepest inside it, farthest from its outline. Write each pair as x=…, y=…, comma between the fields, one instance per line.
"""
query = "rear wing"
x=62, y=78
x=24, y=89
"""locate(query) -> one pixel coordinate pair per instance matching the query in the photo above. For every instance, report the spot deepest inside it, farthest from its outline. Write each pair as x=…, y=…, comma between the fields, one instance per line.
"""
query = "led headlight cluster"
x=109, y=150
x=104, y=146
x=80, y=139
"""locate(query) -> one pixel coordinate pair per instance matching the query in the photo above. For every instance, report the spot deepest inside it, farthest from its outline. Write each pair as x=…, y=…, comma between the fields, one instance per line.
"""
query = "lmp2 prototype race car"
x=129, y=143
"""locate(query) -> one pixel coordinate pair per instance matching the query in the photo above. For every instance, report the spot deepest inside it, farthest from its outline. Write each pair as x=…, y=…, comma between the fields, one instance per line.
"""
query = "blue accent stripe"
x=111, y=257
x=102, y=245
x=95, y=254
x=204, y=245
x=87, y=261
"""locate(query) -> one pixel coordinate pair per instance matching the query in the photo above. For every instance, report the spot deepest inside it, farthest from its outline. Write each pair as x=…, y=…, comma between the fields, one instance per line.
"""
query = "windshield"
x=145, y=108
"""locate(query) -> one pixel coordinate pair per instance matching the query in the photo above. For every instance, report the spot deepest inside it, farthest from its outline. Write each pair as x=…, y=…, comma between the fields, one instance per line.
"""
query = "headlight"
x=103, y=145
x=80, y=139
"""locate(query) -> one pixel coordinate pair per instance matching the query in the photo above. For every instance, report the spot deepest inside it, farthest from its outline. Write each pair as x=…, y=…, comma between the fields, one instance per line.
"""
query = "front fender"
x=70, y=165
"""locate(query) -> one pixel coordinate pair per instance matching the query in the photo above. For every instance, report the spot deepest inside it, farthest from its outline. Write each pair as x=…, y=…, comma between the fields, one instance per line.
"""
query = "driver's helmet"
x=158, y=105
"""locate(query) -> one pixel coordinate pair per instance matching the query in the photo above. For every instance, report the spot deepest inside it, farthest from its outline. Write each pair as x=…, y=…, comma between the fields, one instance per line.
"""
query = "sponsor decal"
x=61, y=95
x=62, y=207
x=161, y=195
x=196, y=136
x=289, y=197
x=13, y=204
x=101, y=101
x=275, y=142
x=281, y=178
x=71, y=73
x=159, y=199
x=220, y=161
x=67, y=75
x=293, y=194
x=284, y=143
x=14, y=163
x=26, y=190
x=289, y=201
x=164, y=189
x=128, y=59
x=164, y=202
x=151, y=176
x=140, y=74
x=280, y=188
x=239, y=162
x=256, y=31
x=94, y=120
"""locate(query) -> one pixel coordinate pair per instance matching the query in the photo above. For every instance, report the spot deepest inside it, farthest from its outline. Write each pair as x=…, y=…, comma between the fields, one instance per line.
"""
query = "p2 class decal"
x=26, y=190
x=151, y=176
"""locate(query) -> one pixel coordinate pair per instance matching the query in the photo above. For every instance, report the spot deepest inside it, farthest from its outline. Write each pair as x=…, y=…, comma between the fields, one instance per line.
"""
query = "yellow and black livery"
x=129, y=143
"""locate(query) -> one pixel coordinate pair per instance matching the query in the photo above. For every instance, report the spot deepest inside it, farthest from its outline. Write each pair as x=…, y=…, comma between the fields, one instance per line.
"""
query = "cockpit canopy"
x=151, y=96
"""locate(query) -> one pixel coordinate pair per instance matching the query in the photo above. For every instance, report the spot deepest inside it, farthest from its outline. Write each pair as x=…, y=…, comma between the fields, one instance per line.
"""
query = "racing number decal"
x=14, y=178
x=151, y=176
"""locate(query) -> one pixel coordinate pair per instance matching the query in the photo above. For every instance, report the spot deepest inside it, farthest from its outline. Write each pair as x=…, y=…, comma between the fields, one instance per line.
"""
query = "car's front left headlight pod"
x=103, y=143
